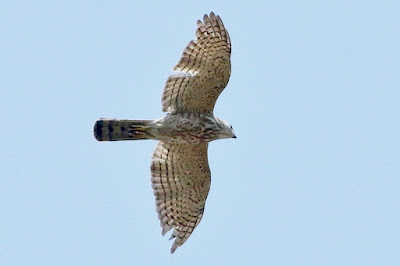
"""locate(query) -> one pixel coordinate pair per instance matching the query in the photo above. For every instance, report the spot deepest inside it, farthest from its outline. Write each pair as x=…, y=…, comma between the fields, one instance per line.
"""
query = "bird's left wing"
x=181, y=181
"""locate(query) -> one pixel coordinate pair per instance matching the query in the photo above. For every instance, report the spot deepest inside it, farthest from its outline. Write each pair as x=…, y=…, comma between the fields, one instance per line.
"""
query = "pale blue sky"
x=314, y=98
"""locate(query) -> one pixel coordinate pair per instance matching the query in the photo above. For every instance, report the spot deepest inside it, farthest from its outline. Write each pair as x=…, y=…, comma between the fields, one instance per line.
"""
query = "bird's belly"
x=185, y=137
x=187, y=128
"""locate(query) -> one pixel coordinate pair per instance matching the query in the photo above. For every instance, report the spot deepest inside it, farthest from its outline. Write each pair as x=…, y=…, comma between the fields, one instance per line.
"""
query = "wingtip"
x=173, y=248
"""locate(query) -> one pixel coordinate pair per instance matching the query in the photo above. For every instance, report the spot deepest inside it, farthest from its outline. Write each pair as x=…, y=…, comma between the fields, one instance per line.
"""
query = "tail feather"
x=113, y=129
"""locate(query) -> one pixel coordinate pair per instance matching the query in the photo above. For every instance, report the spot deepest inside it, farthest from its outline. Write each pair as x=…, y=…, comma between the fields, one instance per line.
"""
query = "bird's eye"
x=231, y=127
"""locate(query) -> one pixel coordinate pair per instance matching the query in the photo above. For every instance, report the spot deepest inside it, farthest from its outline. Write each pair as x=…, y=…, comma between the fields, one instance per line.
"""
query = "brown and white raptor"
x=180, y=174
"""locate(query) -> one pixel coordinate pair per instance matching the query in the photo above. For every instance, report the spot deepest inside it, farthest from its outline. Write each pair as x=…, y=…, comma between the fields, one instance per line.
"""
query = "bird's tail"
x=112, y=129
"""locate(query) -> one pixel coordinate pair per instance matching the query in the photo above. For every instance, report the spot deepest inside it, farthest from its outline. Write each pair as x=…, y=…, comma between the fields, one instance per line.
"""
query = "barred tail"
x=112, y=129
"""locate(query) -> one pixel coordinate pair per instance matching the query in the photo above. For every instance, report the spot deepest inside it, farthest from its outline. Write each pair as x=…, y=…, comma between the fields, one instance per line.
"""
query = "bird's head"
x=226, y=129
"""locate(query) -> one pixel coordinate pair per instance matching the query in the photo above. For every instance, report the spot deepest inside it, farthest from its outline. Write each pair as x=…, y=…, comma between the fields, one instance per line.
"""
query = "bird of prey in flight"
x=180, y=174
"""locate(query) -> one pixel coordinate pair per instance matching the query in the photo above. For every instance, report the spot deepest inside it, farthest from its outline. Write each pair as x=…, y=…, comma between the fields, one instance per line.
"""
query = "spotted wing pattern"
x=181, y=181
x=205, y=63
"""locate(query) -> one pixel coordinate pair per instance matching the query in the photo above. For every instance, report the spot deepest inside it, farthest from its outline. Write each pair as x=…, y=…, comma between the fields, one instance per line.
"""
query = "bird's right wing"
x=181, y=181
x=205, y=70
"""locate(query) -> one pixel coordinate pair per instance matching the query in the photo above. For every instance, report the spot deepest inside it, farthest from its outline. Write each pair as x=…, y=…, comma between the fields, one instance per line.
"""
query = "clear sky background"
x=314, y=98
